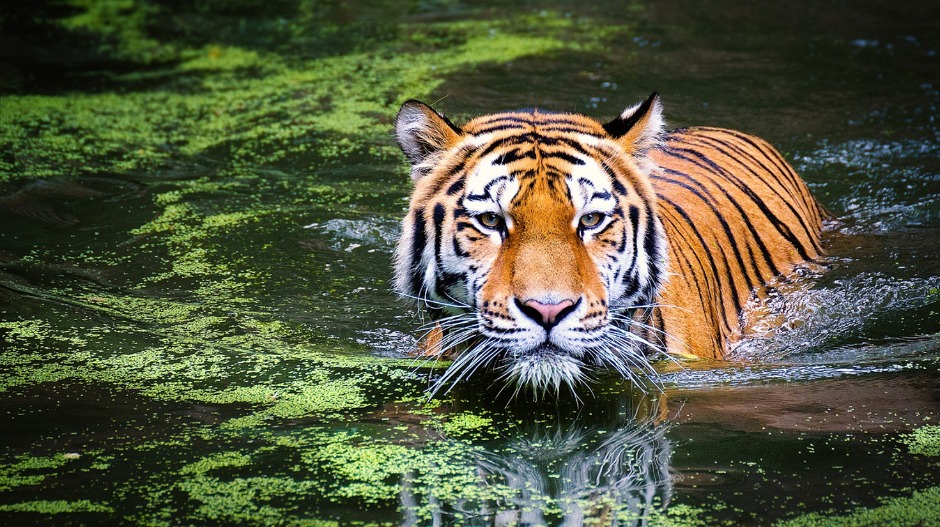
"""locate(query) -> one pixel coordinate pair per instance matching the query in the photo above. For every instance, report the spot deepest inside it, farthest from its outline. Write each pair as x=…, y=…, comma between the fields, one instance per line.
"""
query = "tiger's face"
x=533, y=240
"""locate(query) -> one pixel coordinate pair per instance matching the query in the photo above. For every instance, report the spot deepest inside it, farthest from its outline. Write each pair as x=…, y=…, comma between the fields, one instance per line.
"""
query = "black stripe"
x=491, y=147
x=566, y=156
x=542, y=119
x=500, y=128
x=514, y=155
x=569, y=129
x=703, y=161
x=705, y=195
x=443, y=279
x=781, y=164
x=789, y=185
x=554, y=172
x=711, y=259
x=486, y=195
x=606, y=228
x=651, y=246
x=809, y=202
x=539, y=139
x=438, y=218
x=494, y=181
x=456, y=187
x=504, y=122
x=570, y=145
x=458, y=250
x=702, y=289
x=462, y=225
x=776, y=175
x=455, y=170
x=418, y=242
x=615, y=181
x=634, y=214
x=656, y=321
x=521, y=173
x=629, y=272
x=502, y=331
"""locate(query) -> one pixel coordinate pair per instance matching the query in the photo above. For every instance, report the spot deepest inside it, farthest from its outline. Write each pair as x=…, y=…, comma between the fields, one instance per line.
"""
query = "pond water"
x=198, y=205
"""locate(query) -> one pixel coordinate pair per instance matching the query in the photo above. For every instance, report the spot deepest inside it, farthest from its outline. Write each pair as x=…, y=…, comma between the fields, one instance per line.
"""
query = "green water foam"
x=27, y=471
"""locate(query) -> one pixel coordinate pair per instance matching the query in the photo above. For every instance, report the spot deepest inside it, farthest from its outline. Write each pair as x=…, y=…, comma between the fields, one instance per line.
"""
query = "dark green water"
x=198, y=204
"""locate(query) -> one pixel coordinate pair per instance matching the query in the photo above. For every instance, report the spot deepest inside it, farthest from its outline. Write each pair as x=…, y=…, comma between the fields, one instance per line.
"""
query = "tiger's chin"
x=546, y=368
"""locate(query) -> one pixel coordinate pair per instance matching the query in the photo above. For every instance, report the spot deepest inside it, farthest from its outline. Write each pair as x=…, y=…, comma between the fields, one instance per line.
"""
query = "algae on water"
x=924, y=441
x=253, y=107
x=919, y=509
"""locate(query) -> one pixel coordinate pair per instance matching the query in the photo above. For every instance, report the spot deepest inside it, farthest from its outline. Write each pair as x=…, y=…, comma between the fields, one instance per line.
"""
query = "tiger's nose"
x=547, y=315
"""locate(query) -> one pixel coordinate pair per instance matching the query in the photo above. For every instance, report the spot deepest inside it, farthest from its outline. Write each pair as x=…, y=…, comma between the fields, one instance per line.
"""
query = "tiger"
x=548, y=247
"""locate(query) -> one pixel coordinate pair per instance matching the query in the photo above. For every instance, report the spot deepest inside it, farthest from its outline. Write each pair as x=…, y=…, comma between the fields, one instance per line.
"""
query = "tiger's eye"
x=591, y=220
x=491, y=220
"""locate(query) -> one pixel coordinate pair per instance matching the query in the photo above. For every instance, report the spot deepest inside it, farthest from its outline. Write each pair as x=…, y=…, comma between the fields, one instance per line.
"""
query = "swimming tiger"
x=548, y=245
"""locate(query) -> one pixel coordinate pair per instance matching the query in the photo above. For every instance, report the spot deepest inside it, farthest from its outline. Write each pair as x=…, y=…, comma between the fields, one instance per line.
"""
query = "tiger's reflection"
x=579, y=471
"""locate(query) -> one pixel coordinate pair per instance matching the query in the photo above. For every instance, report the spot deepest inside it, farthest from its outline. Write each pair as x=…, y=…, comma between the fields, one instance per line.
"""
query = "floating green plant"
x=29, y=471
x=55, y=507
x=920, y=509
x=924, y=441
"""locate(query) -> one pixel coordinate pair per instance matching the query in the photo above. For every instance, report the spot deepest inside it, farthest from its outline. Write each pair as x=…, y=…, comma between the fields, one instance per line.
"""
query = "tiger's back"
x=736, y=215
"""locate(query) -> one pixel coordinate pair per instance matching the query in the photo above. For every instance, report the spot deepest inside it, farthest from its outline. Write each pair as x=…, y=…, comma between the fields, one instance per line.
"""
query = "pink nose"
x=547, y=314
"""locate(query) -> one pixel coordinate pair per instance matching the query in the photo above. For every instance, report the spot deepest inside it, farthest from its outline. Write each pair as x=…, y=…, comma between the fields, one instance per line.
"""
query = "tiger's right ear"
x=423, y=134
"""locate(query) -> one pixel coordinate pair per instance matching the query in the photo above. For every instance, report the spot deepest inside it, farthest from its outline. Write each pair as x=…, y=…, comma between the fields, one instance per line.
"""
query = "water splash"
x=882, y=186
x=350, y=234
x=795, y=322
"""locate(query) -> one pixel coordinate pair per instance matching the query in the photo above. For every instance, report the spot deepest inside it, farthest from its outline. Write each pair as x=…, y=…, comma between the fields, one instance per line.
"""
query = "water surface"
x=197, y=212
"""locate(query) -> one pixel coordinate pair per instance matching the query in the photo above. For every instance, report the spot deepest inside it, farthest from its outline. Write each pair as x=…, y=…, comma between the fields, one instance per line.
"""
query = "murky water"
x=197, y=212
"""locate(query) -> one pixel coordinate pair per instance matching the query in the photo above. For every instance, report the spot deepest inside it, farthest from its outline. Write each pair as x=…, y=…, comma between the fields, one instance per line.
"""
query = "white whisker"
x=661, y=349
x=429, y=302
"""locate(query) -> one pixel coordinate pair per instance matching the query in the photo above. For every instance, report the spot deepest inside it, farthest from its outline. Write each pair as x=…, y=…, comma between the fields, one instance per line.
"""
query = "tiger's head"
x=533, y=240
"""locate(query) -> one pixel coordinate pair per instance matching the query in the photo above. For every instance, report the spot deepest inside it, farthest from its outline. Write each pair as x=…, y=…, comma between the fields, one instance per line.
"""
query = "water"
x=196, y=227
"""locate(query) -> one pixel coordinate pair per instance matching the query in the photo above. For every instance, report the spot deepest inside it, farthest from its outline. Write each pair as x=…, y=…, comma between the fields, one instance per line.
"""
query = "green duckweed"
x=920, y=509
x=924, y=441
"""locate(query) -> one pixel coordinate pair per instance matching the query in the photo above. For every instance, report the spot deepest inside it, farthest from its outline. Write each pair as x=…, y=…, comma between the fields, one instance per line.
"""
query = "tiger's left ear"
x=423, y=134
x=639, y=128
